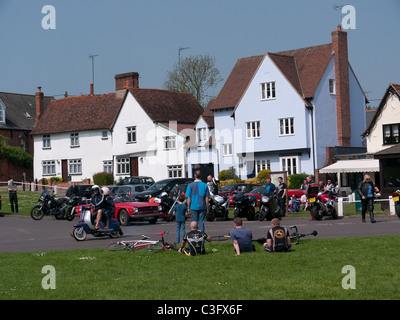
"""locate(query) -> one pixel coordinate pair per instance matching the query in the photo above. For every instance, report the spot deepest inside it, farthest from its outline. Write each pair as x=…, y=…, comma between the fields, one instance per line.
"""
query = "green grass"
x=313, y=270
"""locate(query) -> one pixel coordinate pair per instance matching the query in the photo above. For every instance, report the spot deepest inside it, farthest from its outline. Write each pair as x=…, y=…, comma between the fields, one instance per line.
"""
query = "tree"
x=195, y=75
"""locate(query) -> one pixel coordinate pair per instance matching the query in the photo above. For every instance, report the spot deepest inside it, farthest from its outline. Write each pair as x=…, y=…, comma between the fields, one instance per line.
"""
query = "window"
x=2, y=115
x=227, y=149
x=75, y=166
x=174, y=171
x=104, y=135
x=262, y=165
x=290, y=164
x=74, y=139
x=286, y=126
x=202, y=135
x=169, y=143
x=391, y=133
x=123, y=166
x=108, y=166
x=49, y=167
x=253, y=129
x=332, y=86
x=268, y=91
x=46, y=141
x=131, y=134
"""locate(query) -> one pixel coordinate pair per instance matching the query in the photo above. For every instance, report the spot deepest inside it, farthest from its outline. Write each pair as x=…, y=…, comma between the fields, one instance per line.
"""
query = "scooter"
x=86, y=225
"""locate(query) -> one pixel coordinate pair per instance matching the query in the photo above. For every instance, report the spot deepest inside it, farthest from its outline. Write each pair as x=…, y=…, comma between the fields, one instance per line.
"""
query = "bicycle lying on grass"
x=143, y=244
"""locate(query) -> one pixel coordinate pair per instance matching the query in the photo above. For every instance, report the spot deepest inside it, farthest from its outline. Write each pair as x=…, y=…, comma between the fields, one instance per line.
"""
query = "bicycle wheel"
x=156, y=247
x=116, y=246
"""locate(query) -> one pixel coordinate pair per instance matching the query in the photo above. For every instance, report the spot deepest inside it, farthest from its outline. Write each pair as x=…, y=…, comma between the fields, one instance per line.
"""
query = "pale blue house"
x=286, y=111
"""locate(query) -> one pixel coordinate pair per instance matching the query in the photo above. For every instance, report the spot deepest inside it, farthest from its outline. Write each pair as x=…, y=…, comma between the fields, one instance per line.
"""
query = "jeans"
x=179, y=231
x=199, y=216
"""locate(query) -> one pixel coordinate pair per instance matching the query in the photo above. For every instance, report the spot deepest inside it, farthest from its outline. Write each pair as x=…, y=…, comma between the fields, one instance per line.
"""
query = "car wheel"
x=123, y=217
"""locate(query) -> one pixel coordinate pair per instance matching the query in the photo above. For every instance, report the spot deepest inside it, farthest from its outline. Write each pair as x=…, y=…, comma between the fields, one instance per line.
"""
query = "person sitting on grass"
x=241, y=237
x=195, y=238
x=278, y=238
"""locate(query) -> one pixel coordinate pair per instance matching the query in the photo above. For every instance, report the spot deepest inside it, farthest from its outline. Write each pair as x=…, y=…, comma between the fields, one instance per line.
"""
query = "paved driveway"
x=20, y=233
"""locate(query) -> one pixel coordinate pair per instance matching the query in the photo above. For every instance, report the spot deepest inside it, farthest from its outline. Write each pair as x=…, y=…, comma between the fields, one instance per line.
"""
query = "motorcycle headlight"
x=159, y=208
x=157, y=200
x=264, y=199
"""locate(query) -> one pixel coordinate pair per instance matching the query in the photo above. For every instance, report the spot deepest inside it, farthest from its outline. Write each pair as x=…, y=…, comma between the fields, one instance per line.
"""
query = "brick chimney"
x=128, y=80
x=39, y=104
x=339, y=46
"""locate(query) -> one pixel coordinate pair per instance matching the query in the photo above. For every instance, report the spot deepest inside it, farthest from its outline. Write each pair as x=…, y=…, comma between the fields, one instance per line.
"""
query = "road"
x=22, y=234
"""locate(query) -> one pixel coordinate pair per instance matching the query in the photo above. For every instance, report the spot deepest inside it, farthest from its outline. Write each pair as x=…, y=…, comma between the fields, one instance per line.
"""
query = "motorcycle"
x=244, y=206
x=396, y=200
x=73, y=201
x=266, y=203
x=49, y=206
x=167, y=203
x=322, y=203
x=86, y=225
x=218, y=207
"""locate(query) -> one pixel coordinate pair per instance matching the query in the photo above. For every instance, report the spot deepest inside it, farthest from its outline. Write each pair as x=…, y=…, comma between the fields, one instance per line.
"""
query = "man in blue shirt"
x=241, y=237
x=197, y=195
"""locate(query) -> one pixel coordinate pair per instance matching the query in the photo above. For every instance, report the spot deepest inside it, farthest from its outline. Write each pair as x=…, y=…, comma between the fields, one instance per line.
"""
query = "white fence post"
x=391, y=206
x=340, y=207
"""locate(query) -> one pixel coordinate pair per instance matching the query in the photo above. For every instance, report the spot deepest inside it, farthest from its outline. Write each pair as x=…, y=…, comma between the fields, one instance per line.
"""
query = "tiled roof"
x=21, y=110
x=303, y=68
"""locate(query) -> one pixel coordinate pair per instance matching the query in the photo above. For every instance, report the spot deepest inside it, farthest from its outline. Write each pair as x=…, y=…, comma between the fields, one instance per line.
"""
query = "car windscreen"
x=158, y=185
x=123, y=198
x=228, y=187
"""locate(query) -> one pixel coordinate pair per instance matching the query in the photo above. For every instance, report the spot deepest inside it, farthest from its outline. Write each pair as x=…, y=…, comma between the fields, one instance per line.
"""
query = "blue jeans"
x=199, y=216
x=179, y=231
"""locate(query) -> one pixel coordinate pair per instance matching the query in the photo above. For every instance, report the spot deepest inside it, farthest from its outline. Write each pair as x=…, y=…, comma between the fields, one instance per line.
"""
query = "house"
x=383, y=141
x=129, y=132
x=17, y=119
x=283, y=111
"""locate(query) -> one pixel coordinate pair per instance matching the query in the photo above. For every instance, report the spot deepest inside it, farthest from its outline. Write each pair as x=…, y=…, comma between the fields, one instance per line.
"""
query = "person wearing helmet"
x=109, y=206
x=97, y=203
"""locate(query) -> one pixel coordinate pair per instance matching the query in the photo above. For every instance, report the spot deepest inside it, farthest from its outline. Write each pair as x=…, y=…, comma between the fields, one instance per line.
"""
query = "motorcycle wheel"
x=114, y=234
x=236, y=212
x=60, y=215
x=210, y=216
x=70, y=214
x=79, y=233
x=37, y=213
x=262, y=214
x=397, y=209
x=316, y=214
x=251, y=214
x=334, y=213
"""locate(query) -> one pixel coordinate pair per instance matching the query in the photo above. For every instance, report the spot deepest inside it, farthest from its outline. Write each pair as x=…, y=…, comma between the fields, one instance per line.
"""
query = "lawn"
x=313, y=270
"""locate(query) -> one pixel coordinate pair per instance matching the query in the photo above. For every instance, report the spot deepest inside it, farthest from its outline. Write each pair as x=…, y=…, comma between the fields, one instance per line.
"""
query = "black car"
x=81, y=190
x=129, y=189
x=157, y=188
x=136, y=180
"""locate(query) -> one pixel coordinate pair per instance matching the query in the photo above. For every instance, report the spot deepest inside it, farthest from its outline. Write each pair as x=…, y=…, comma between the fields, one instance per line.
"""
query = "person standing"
x=197, y=195
x=241, y=237
x=180, y=212
x=282, y=193
x=367, y=190
x=12, y=193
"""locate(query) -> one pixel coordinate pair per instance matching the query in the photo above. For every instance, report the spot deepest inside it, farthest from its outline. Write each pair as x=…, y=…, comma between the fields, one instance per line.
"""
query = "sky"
x=144, y=36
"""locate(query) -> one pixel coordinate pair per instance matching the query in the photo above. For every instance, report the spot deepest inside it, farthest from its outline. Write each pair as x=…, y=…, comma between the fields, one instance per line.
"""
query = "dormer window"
x=2, y=112
x=202, y=135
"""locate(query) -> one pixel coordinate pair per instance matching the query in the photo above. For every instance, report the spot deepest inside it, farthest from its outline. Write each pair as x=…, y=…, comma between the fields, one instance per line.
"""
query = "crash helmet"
x=96, y=187
x=105, y=190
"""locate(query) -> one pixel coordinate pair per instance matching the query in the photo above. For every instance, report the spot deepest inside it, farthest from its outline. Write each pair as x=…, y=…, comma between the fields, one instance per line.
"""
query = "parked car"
x=234, y=188
x=256, y=192
x=136, y=180
x=126, y=210
x=157, y=188
x=81, y=190
x=128, y=189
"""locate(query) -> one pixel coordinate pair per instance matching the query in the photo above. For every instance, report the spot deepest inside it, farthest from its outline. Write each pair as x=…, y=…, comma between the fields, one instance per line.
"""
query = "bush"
x=263, y=175
x=56, y=179
x=103, y=178
x=296, y=180
x=227, y=174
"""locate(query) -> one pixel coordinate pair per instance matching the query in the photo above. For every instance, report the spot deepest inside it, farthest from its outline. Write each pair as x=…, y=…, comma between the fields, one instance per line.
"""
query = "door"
x=64, y=170
x=134, y=166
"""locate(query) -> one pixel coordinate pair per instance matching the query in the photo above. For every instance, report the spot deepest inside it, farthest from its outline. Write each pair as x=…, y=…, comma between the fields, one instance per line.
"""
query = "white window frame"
x=123, y=166
x=262, y=165
x=253, y=130
x=169, y=142
x=104, y=135
x=332, y=86
x=268, y=90
x=2, y=114
x=46, y=141
x=108, y=166
x=227, y=147
x=74, y=138
x=49, y=167
x=74, y=166
x=131, y=134
x=175, y=171
x=286, y=127
x=202, y=135
x=289, y=166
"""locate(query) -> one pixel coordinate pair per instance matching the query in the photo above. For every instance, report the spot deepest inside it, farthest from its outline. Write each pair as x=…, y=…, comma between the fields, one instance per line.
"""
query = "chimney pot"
x=91, y=89
x=339, y=28
x=39, y=89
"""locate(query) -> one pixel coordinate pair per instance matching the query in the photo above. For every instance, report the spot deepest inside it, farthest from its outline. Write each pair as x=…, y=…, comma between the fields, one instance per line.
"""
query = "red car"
x=255, y=192
x=126, y=209
x=232, y=189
